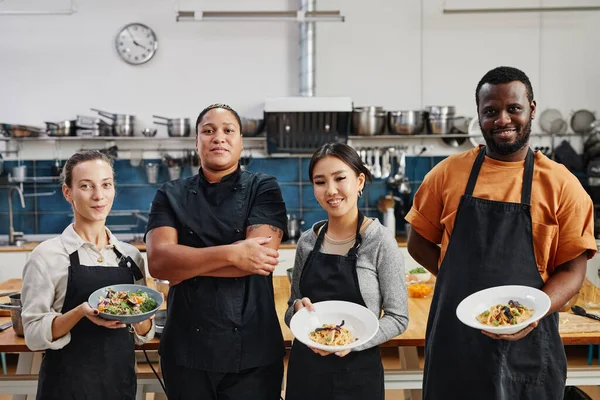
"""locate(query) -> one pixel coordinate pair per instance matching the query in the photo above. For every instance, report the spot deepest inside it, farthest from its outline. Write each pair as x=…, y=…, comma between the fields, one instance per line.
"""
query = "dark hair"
x=79, y=157
x=342, y=151
x=218, y=105
x=500, y=75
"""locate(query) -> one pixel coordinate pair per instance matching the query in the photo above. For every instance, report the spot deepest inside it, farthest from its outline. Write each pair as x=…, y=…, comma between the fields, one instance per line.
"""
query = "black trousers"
x=260, y=383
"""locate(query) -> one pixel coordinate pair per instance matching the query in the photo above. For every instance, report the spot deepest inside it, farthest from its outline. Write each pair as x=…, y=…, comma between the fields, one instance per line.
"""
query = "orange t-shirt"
x=561, y=210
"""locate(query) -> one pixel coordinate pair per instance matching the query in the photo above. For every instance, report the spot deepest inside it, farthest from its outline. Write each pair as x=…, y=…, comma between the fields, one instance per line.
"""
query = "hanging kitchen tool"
x=552, y=122
x=123, y=124
x=176, y=127
x=583, y=122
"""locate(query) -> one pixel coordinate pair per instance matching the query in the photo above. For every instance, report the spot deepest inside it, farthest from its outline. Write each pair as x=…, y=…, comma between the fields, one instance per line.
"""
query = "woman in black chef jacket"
x=86, y=356
x=351, y=258
x=215, y=236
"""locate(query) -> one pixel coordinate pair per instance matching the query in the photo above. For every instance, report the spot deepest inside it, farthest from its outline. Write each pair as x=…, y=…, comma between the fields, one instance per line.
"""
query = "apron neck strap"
x=74, y=257
x=357, y=241
x=527, y=175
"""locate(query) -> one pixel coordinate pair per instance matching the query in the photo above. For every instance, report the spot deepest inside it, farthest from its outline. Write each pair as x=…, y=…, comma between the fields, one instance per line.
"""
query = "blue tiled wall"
x=51, y=213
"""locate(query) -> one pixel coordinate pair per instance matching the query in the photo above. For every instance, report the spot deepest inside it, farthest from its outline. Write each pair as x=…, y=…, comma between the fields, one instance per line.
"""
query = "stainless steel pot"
x=62, y=128
x=252, y=127
x=15, y=308
x=123, y=124
x=441, y=125
x=368, y=121
x=405, y=122
x=441, y=110
x=176, y=127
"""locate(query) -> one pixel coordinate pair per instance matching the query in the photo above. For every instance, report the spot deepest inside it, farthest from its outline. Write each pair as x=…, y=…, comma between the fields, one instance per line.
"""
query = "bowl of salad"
x=418, y=274
x=126, y=303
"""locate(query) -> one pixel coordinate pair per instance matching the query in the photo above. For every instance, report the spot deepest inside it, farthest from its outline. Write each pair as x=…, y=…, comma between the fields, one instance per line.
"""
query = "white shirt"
x=45, y=279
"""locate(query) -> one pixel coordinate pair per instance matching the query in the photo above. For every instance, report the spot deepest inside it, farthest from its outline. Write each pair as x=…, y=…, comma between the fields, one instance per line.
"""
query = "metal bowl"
x=149, y=132
x=405, y=122
x=368, y=121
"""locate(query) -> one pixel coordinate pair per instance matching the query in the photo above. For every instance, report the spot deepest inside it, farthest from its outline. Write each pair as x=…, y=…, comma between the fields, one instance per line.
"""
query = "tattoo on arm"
x=273, y=228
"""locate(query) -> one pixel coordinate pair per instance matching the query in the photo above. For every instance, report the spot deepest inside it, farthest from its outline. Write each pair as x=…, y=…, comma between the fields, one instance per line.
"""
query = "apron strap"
x=527, y=178
x=74, y=257
x=475, y=172
x=357, y=240
x=527, y=175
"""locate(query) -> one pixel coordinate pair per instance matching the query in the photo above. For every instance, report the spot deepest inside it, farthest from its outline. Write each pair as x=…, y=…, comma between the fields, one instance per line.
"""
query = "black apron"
x=491, y=245
x=358, y=375
x=98, y=363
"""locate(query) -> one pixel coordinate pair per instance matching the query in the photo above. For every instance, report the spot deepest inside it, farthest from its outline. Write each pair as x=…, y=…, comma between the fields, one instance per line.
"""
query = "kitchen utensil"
x=252, y=127
x=152, y=172
x=149, y=132
x=368, y=121
x=473, y=305
x=20, y=131
x=19, y=173
x=94, y=299
x=176, y=127
x=581, y=311
x=15, y=308
x=294, y=224
x=62, y=128
x=405, y=122
x=361, y=322
x=583, y=121
x=441, y=110
x=552, y=121
x=123, y=124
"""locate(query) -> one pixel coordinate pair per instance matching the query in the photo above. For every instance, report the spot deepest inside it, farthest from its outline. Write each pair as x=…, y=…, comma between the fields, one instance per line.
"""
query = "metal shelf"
x=449, y=136
x=116, y=139
x=518, y=9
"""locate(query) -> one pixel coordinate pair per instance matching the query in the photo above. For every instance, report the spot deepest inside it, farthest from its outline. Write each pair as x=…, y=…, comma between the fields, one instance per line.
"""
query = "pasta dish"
x=126, y=303
x=502, y=314
x=332, y=335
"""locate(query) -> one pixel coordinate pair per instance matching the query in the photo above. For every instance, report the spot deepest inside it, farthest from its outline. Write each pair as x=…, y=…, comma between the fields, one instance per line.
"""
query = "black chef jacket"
x=220, y=324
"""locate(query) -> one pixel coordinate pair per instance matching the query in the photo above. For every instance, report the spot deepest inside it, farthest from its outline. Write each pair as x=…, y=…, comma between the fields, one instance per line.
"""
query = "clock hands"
x=134, y=42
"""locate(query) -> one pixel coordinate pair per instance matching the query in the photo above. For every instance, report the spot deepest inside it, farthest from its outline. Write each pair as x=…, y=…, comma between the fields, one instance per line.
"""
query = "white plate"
x=358, y=319
x=473, y=305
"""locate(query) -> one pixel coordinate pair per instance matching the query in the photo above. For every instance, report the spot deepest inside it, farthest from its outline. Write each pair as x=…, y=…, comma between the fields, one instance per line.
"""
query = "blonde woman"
x=87, y=357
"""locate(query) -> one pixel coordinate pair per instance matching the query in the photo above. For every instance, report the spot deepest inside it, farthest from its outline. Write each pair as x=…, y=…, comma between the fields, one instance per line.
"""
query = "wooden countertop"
x=418, y=310
x=141, y=246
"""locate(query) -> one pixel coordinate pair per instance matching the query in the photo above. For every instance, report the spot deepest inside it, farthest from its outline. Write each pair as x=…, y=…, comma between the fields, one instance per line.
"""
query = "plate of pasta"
x=334, y=325
x=503, y=310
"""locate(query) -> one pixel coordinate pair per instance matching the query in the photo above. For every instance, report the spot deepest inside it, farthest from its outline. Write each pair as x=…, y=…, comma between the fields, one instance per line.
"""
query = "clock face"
x=136, y=43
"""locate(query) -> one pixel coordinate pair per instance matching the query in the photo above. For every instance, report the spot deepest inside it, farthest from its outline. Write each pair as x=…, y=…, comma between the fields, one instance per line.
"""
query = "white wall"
x=397, y=54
